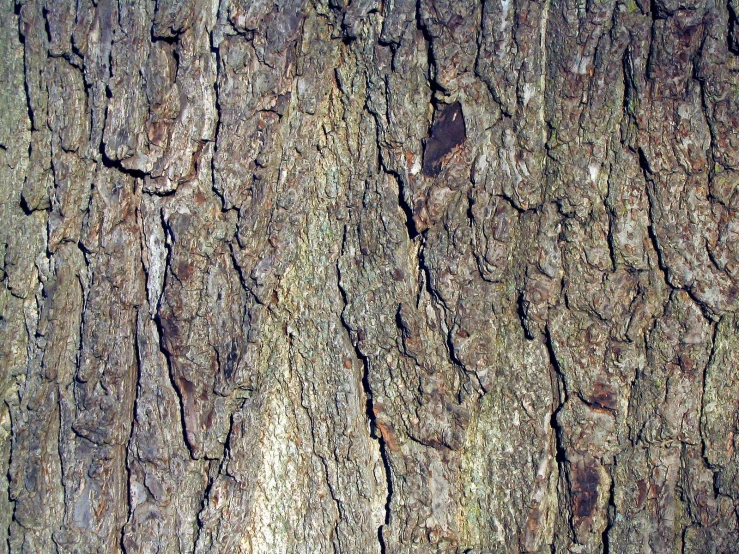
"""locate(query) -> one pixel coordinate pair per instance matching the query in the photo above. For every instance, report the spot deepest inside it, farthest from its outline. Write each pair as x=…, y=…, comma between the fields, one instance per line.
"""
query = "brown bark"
x=371, y=276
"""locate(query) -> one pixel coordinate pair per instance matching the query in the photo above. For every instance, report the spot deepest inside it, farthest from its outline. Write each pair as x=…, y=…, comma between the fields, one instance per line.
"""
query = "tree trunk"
x=373, y=276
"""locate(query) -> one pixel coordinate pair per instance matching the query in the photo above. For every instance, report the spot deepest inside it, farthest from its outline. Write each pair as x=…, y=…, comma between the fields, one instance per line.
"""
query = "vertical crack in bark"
x=612, y=218
x=324, y=463
x=212, y=476
x=370, y=412
x=610, y=515
x=429, y=39
x=559, y=390
x=733, y=31
x=425, y=270
x=410, y=222
x=711, y=359
x=489, y=85
x=652, y=36
x=240, y=271
x=215, y=51
x=705, y=110
x=461, y=367
x=631, y=96
x=544, y=28
x=13, y=501
x=129, y=454
x=84, y=287
x=521, y=306
x=457, y=363
x=649, y=182
x=172, y=380
x=654, y=239
x=162, y=347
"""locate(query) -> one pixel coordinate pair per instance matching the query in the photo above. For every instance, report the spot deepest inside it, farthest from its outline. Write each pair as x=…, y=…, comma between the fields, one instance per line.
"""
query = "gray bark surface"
x=390, y=276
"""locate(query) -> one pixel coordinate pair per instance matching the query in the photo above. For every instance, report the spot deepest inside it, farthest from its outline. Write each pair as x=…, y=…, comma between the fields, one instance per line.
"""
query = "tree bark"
x=372, y=276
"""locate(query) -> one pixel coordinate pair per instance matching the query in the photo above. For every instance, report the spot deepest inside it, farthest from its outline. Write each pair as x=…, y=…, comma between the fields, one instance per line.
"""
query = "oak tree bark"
x=391, y=276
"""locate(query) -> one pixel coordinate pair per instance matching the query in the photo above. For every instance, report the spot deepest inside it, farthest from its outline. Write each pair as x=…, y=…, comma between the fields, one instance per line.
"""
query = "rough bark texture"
x=369, y=276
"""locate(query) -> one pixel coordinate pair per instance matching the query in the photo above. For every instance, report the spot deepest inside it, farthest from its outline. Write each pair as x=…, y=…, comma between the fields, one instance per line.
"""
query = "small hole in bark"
x=447, y=132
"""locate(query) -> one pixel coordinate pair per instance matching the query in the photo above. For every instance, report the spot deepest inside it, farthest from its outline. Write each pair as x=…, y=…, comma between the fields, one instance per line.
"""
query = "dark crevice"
x=595, y=405
x=711, y=359
x=521, y=305
x=700, y=79
x=12, y=460
x=83, y=316
x=654, y=239
x=647, y=172
x=173, y=381
x=27, y=210
x=341, y=515
x=212, y=477
x=559, y=387
x=400, y=324
x=610, y=517
x=706, y=311
x=453, y=353
x=659, y=10
x=137, y=351
x=405, y=333
x=560, y=455
x=649, y=70
x=240, y=272
x=410, y=223
x=465, y=372
x=560, y=397
x=630, y=120
x=27, y=90
x=388, y=477
x=162, y=347
x=225, y=205
x=47, y=28
x=160, y=193
x=118, y=165
x=733, y=36
x=426, y=270
x=369, y=409
x=612, y=250
x=514, y=205
x=429, y=39
x=655, y=245
x=469, y=212
x=172, y=40
x=644, y=164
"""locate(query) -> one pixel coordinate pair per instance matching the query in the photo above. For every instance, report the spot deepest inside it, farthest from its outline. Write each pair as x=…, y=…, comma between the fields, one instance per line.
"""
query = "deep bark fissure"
x=611, y=509
x=711, y=360
x=562, y=397
x=429, y=40
x=173, y=382
x=733, y=31
x=410, y=222
x=369, y=411
x=129, y=441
